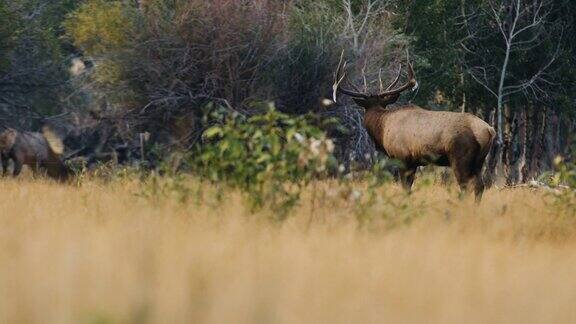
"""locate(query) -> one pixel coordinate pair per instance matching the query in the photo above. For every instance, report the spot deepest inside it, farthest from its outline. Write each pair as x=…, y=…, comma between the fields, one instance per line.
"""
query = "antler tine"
x=412, y=78
x=355, y=87
x=339, y=77
x=380, y=84
x=364, y=78
x=395, y=82
x=411, y=84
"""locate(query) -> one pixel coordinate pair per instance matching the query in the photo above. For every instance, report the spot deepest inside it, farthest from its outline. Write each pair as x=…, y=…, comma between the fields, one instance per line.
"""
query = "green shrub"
x=565, y=173
x=269, y=156
x=565, y=179
x=100, y=26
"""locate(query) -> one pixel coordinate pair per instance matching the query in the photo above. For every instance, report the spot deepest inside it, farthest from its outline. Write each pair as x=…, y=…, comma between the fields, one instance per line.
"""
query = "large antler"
x=339, y=77
x=411, y=84
x=393, y=84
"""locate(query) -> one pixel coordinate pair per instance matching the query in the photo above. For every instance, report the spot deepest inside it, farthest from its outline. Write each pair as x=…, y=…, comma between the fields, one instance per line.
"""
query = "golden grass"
x=100, y=254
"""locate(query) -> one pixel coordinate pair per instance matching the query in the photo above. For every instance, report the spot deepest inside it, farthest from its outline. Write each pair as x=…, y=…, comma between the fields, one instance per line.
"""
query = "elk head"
x=7, y=140
x=385, y=97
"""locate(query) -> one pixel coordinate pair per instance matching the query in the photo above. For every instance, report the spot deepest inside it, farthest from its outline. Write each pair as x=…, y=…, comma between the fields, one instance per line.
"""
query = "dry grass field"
x=99, y=253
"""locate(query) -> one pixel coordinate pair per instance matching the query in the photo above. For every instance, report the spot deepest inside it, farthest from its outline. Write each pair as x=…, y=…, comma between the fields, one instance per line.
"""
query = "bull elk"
x=417, y=136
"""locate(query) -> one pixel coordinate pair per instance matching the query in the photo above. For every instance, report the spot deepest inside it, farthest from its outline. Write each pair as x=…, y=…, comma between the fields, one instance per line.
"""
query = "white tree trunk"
x=499, y=120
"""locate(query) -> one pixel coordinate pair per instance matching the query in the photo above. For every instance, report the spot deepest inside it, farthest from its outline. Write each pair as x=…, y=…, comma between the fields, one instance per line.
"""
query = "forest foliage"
x=159, y=66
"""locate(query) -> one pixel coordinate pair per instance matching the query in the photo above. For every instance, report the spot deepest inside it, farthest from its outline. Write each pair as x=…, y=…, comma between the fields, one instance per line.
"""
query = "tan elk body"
x=37, y=150
x=417, y=136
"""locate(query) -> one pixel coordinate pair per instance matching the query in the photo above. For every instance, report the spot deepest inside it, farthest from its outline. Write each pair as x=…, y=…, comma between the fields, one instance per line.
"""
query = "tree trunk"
x=511, y=150
x=552, y=137
x=463, y=102
x=499, y=120
x=530, y=140
x=507, y=149
x=538, y=145
x=569, y=148
x=491, y=160
x=517, y=170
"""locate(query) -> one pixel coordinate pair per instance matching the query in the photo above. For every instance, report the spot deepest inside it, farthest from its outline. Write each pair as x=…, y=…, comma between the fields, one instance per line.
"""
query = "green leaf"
x=224, y=145
x=263, y=158
x=213, y=132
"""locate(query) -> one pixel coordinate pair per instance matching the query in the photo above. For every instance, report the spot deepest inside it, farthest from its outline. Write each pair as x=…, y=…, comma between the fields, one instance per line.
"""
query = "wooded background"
x=104, y=72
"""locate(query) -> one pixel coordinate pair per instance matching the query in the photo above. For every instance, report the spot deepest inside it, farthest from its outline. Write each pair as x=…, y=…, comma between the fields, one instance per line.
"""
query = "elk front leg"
x=5, y=161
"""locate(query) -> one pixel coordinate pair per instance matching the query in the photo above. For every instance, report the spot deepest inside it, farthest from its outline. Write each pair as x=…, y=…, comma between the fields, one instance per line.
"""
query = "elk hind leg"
x=478, y=186
x=464, y=176
x=463, y=160
x=35, y=167
x=407, y=176
x=17, y=168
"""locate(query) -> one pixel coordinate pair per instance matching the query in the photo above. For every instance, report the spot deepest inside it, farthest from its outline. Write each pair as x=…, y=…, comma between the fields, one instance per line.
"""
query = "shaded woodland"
x=135, y=80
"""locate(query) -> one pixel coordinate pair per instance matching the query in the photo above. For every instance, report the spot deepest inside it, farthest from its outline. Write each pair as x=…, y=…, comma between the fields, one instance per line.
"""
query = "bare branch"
x=537, y=77
x=499, y=23
x=481, y=82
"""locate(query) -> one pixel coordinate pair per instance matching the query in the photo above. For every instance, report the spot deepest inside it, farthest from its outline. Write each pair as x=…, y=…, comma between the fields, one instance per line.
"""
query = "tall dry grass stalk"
x=100, y=254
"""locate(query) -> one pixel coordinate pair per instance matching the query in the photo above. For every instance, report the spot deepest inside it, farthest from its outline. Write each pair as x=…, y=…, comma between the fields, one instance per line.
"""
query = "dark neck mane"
x=373, y=122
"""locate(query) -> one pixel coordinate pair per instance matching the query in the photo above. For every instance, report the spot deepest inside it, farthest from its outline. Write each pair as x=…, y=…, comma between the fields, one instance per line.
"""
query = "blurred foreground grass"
x=106, y=253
